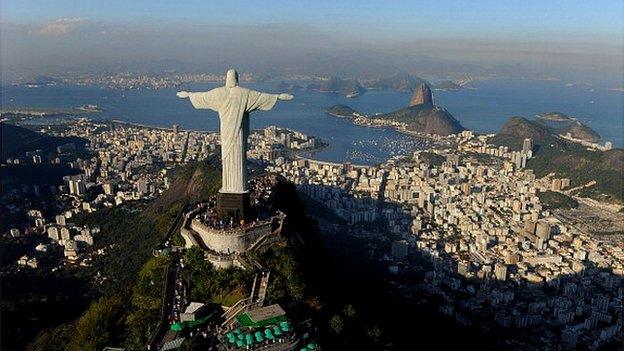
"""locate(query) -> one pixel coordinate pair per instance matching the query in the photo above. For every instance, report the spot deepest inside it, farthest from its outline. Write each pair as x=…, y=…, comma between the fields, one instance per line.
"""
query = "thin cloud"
x=60, y=26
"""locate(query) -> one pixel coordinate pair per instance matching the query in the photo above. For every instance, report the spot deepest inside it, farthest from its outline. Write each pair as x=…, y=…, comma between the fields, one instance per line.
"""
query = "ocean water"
x=484, y=106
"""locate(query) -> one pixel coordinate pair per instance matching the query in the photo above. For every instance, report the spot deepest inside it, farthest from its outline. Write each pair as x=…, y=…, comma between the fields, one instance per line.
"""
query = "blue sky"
x=534, y=20
x=545, y=37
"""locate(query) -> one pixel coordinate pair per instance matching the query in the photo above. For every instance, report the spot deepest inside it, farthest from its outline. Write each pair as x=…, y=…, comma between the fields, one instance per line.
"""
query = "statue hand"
x=183, y=94
x=285, y=97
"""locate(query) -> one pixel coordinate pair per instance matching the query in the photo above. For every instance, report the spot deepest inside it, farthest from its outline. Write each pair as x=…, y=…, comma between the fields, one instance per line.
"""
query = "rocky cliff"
x=422, y=96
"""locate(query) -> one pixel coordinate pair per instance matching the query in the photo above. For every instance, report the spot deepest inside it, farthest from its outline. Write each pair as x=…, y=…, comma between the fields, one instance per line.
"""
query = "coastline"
x=400, y=129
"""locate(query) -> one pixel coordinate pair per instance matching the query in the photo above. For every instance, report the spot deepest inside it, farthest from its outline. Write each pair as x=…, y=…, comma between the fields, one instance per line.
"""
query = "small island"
x=348, y=87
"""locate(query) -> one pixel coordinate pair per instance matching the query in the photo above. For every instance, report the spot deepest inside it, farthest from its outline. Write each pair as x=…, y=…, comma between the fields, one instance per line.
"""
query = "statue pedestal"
x=231, y=205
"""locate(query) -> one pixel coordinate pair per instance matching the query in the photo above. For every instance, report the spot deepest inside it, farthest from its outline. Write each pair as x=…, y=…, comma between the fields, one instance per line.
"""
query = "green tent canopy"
x=177, y=327
x=259, y=336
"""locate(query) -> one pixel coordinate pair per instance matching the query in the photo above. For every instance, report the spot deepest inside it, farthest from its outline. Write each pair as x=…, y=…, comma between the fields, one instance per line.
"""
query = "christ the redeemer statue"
x=233, y=104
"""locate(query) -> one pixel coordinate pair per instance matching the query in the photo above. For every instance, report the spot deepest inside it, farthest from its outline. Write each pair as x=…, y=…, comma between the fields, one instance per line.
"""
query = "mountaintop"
x=403, y=82
x=554, y=154
x=521, y=128
x=422, y=96
x=426, y=119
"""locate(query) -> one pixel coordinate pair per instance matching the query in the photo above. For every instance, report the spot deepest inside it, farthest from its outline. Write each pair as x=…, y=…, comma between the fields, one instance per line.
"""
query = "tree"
x=336, y=324
x=349, y=311
x=374, y=333
x=98, y=326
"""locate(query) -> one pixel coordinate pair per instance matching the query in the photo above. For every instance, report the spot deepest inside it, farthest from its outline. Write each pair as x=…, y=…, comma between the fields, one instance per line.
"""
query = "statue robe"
x=233, y=105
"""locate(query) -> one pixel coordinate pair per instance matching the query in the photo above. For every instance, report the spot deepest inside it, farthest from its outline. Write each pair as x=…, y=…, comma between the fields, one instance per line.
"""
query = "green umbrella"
x=259, y=336
x=240, y=336
x=240, y=343
x=277, y=331
x=177, y=327
x=311, y=346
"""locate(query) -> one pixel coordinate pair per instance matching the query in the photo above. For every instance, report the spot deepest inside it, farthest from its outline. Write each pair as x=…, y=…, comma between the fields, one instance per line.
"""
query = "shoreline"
x=428, y=137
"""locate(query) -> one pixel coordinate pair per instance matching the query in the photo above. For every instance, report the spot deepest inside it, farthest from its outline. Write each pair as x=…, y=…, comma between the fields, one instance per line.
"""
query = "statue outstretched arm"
x=205, y=100
x=264, y=101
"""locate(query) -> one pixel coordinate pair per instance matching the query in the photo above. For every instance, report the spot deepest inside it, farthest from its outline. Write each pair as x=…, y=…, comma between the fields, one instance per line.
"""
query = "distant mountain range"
x=349, y=87
x=405, y=82
x=290, y=87
x=400, y=82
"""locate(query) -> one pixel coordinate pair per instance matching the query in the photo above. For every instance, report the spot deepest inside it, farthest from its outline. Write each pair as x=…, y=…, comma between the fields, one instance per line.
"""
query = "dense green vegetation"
x=555, y=200
x=101, y=325
x=192, y=183
x=146, y=303
x=567, y=159
x=206, y=284
x=128, y=238
x=286, y=278
x=128, y=279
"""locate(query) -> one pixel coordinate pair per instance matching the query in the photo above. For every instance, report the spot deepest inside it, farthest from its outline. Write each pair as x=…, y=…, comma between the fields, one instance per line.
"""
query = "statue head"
x=231, y=78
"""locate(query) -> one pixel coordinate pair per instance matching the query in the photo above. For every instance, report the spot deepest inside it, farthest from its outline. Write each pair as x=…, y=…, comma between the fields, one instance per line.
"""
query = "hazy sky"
x=578, y=35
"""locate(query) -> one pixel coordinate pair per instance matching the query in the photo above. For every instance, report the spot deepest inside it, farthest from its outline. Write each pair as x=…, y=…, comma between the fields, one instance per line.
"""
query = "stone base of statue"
x=236, y=206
